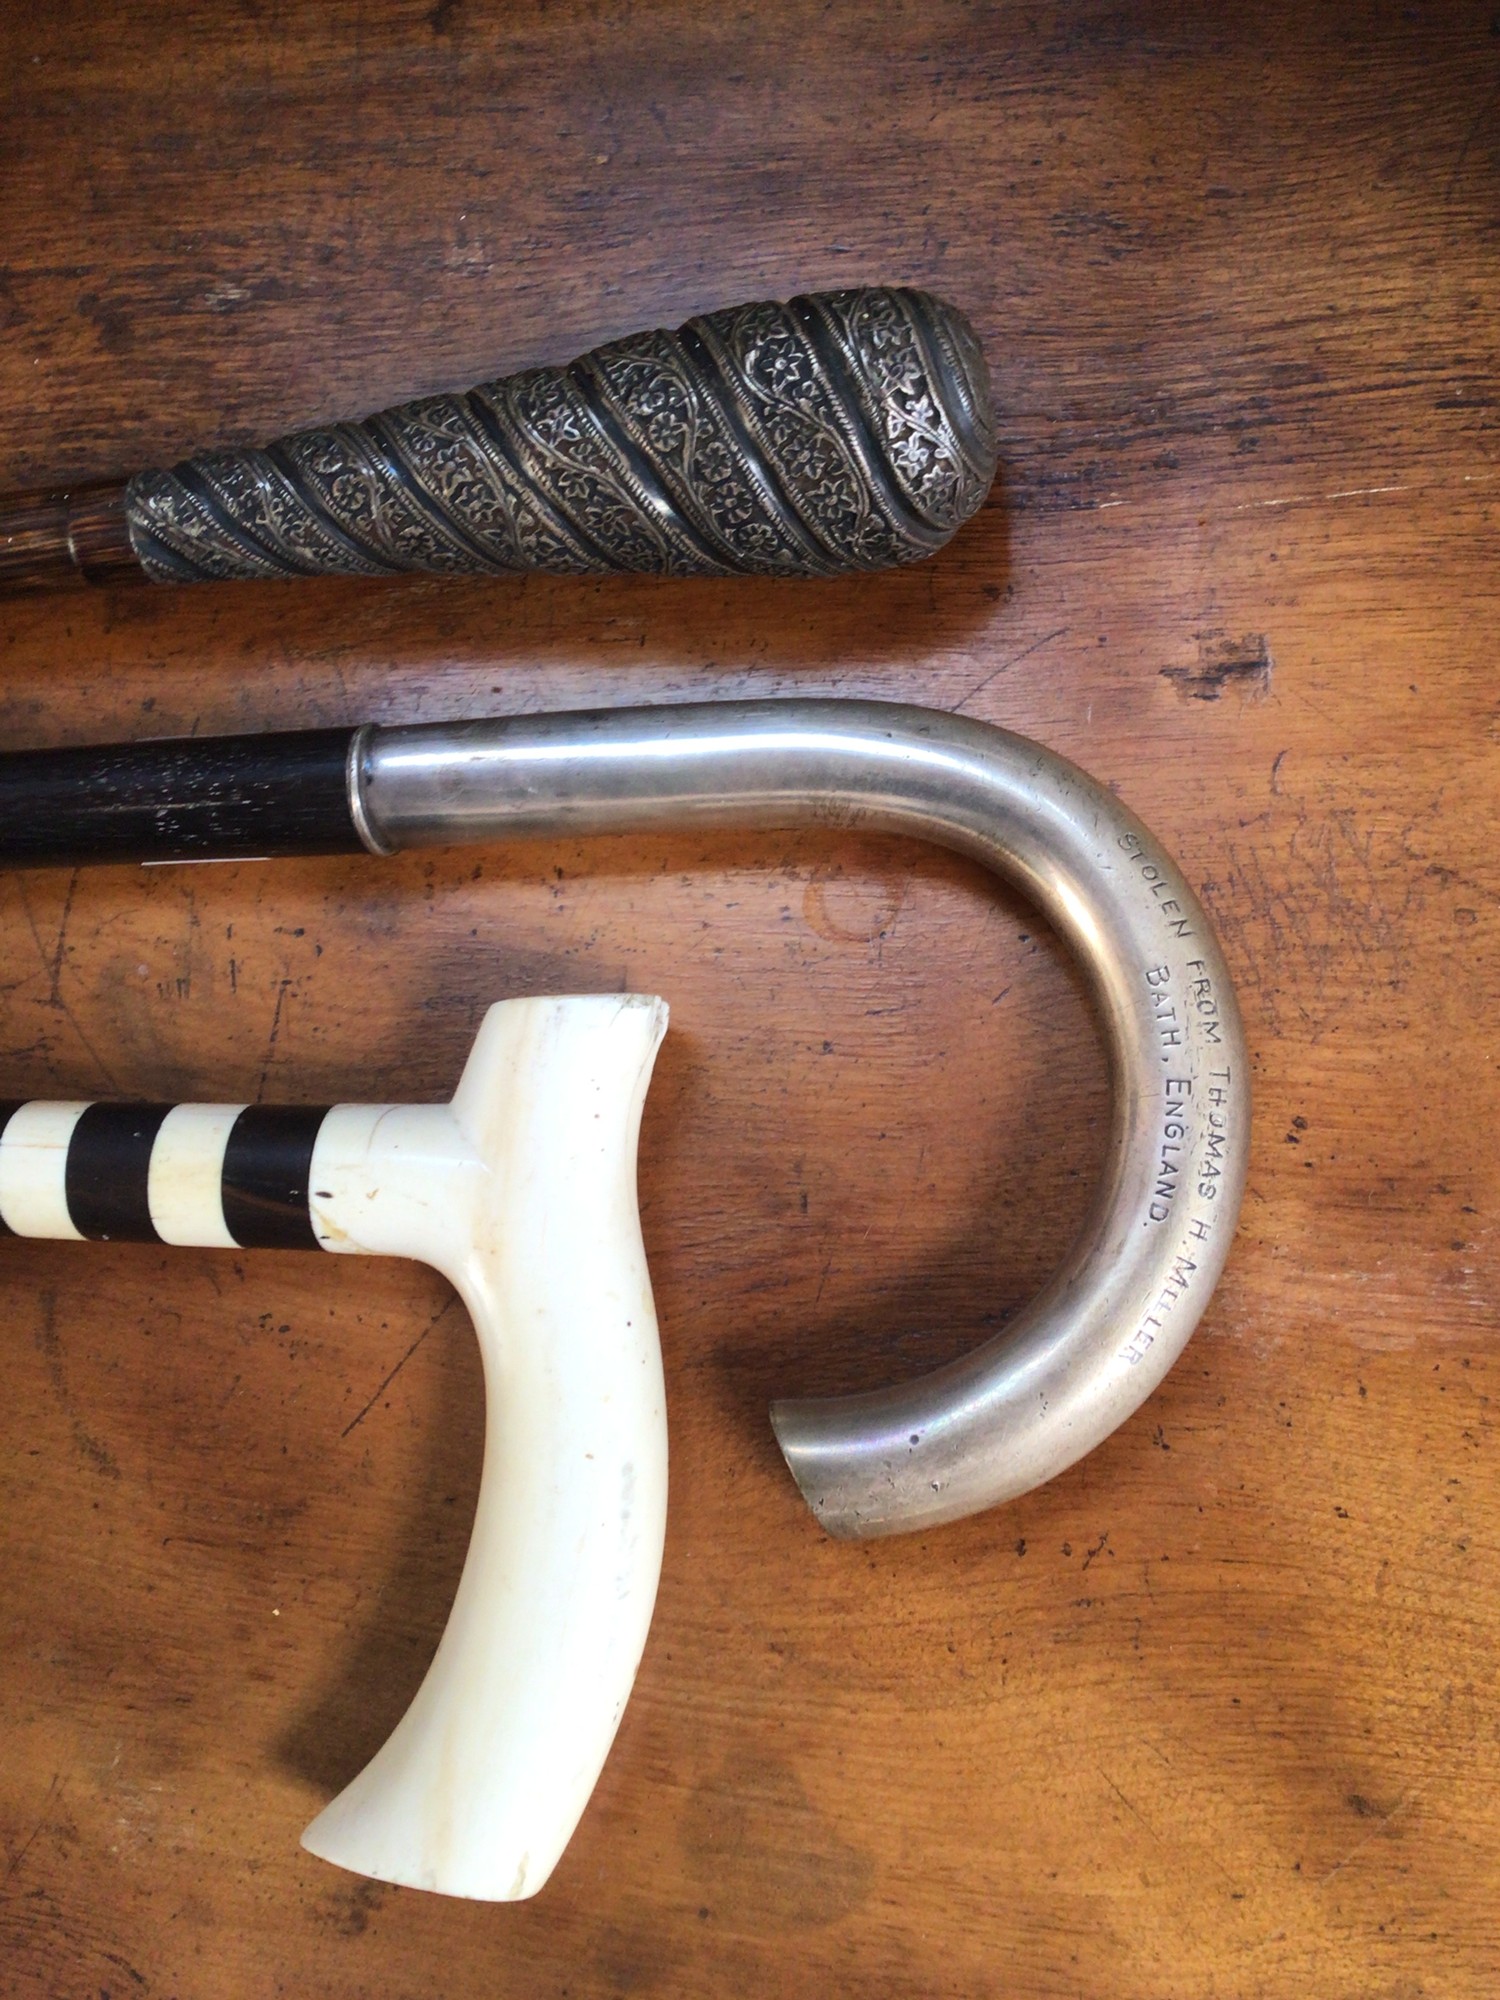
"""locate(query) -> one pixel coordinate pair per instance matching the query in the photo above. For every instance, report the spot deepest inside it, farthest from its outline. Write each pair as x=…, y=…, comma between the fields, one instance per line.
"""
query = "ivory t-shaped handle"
x=522, y=1192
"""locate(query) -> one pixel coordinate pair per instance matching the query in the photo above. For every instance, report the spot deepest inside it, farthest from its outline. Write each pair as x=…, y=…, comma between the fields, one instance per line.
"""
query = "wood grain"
x=1214, y=1714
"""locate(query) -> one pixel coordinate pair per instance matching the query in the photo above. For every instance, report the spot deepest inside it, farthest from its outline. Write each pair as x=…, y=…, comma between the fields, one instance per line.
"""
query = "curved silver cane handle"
x=1089, y=1349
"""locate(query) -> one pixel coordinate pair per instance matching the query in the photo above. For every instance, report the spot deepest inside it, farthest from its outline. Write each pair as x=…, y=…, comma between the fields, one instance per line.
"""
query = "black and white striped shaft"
x=216, y=1175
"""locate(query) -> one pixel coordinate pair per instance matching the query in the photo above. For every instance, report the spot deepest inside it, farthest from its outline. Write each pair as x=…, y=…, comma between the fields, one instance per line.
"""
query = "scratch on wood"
x=130, y=1971
x=1382, y=1822
x=1317, y=499
x=355, y=1421
x=26, y=1846
x=1469, y=137
x=1134, y=1810
x=1014, y=661
x=823, y=1280
x=273, y=1038
x=49, y=1344
x=55, y=994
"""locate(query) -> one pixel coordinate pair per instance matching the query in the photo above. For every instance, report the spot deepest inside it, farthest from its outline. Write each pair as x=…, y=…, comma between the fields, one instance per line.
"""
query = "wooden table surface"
x=1215, y=1714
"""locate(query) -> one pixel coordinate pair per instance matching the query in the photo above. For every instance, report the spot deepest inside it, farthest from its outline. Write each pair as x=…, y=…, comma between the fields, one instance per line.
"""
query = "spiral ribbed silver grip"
x=841, y=431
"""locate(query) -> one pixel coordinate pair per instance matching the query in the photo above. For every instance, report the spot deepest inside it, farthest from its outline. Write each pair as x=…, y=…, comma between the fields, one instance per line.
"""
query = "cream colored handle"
x=523, y=1192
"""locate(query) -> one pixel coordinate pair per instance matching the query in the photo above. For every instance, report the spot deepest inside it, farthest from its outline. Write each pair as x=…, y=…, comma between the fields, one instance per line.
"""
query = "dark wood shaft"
x=52, y=540
x=204, y=798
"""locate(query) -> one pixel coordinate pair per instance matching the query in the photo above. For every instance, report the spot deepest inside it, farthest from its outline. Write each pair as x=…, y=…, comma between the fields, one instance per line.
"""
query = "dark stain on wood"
x=1241, y=664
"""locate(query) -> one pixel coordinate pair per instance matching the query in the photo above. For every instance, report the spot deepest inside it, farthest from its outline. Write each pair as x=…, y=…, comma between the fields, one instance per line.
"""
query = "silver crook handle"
x=1094, y=1343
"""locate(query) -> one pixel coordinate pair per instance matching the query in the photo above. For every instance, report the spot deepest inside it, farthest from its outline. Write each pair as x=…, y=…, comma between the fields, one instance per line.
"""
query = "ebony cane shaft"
x=843, y=431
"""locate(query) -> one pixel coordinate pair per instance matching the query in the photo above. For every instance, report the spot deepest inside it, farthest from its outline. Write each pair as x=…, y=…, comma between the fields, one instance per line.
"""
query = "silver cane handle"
x=841, y=431
x=1088, y=1350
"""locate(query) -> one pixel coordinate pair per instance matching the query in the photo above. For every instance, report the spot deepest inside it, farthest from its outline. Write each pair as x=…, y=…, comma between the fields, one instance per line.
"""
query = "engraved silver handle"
x=841, y=431
x=1089, y=1349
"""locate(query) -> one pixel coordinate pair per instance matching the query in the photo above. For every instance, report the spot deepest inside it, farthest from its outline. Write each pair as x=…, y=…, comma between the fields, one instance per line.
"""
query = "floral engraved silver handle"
x=840, y=431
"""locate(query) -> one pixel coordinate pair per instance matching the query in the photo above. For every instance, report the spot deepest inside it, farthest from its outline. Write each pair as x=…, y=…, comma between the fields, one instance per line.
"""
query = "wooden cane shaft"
x=52, y=540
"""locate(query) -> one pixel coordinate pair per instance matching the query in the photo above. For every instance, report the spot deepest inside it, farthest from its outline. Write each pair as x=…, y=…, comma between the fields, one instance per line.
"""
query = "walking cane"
x=843, y=431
